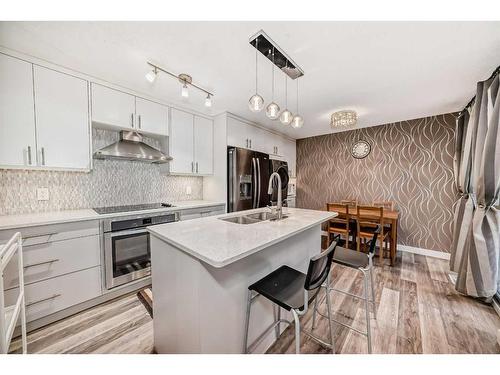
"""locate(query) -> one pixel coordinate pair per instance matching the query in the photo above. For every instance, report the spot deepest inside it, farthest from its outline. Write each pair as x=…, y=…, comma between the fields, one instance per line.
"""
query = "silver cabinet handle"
x=250, y=143
x=43, y=300
x=29, y=155
x=139, y=118
x=247, y=142
x=196, y=167
x=40, y=235
x=43, y=155
x=192, y=166
x=41, y=263
x=132, y=119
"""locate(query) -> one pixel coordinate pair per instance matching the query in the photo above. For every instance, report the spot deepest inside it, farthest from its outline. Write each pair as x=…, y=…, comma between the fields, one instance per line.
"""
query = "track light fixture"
x=185, y=79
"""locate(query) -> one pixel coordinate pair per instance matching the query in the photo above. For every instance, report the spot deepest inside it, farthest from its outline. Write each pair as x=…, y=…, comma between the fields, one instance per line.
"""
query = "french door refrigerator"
x=248, y=177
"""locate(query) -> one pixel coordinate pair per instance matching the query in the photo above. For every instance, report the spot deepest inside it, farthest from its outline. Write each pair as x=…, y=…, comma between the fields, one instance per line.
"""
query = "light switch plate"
x=188, y=190
x=42, y=194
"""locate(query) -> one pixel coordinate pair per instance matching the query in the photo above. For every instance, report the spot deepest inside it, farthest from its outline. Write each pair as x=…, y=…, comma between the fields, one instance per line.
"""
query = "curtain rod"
x=495, y=72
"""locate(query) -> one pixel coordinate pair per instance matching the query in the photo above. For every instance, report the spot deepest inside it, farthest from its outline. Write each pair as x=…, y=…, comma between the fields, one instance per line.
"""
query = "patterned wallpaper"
x=111, y=182
x=411, y=163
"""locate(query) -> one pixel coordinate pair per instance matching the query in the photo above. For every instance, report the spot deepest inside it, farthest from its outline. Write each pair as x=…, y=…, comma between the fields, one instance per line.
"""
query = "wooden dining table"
x=390, y=217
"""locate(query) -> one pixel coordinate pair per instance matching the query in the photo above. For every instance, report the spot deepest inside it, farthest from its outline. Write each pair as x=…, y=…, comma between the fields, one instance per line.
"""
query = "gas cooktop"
x=134, y=207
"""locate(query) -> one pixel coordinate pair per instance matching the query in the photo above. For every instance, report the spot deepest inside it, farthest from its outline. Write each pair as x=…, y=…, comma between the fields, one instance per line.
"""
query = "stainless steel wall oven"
x=127, y=251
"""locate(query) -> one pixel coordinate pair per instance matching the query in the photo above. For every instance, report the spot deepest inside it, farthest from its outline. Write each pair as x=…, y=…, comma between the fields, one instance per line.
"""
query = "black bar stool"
x=362, y=262
x=293, y=291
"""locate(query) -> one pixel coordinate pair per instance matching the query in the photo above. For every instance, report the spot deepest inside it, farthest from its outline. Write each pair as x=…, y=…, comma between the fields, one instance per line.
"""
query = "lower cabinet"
x=52, y=295
x=196, y=213
x=47, y=260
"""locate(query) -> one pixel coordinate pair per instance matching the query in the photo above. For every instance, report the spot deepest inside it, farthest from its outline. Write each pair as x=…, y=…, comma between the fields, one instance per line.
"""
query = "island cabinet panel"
x=201, y=309
x=17, y=116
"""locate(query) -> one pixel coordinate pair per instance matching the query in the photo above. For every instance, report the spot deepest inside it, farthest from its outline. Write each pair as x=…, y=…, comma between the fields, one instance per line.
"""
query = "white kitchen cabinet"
x=289, y=155
x=181, y=142
x=191, y=144
x=203, y=145
x=151, y=117
x=237, y=133
x=113, y=107
x=17, y=117
x=62, y=120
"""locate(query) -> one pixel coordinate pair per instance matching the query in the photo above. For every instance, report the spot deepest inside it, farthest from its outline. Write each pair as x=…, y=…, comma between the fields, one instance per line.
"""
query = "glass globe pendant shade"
x=273, y=111
x=286, y=117
x=297, y=121
x=256, y=103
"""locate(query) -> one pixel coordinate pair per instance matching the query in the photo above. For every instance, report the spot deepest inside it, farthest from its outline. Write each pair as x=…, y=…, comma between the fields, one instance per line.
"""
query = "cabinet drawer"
x=47, y=260
x=49, y=296
x=52, y=233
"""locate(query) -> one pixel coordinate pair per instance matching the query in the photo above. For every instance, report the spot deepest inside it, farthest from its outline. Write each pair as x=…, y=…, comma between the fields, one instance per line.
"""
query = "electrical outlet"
x=42, y=194
x=188, y=190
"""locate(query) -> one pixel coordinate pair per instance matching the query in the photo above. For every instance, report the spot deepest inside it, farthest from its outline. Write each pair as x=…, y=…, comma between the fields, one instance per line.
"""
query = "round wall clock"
x=360, y=149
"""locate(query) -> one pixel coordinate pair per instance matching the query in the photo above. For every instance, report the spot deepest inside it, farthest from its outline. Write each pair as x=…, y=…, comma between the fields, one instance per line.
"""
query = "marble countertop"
x=220, y=243
x=66, y=216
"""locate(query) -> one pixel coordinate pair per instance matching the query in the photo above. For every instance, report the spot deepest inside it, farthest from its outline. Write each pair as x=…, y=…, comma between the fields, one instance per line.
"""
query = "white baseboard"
x=426, y=252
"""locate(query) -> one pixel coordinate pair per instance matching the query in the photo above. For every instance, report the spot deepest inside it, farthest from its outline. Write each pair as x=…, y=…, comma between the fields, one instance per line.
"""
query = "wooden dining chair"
x=368, y=219
x=339, y=224
x=352, y=203
x=386, y=205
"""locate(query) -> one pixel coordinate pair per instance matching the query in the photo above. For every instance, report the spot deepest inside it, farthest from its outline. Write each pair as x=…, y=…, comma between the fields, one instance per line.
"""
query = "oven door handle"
x=128, y=231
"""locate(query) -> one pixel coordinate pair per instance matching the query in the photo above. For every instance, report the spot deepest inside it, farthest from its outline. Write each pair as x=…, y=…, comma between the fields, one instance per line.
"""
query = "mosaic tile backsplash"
x=111, y=182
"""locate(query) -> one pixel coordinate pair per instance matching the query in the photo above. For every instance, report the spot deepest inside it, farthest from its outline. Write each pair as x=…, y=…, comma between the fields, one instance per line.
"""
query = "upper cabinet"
x=62, y=120
x=151, y=117
x=125, y=111
x=17, y=117
x=244, y=135
x=203, y=145
x=112, y=107
x=44, y=117
x=191, y=144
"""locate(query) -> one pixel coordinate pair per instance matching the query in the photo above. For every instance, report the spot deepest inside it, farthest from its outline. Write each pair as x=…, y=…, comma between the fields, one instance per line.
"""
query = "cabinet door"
x=112, y=107
x=17, y=117
x=290, y=157
x=181, y=142
x=259, y=139
x=151, y=117
x=237, y=133
x=203, y=145
x=62, y=120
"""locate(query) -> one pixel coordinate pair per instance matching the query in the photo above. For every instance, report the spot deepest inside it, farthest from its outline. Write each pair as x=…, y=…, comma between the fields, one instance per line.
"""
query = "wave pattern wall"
x=411, y=163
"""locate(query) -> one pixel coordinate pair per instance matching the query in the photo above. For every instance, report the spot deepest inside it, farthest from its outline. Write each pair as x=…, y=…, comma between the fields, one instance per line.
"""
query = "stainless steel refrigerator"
x=248, y=178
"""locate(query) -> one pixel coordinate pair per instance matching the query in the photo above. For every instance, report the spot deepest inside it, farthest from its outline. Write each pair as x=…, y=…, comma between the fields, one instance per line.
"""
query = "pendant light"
x=151, y=75
x=273, y=109
x=208, y=101
x=256, y=102
x=286, y=116
x=297, y=120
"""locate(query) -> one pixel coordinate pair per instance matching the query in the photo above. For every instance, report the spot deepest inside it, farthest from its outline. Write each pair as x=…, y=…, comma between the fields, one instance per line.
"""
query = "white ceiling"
x=386, y=71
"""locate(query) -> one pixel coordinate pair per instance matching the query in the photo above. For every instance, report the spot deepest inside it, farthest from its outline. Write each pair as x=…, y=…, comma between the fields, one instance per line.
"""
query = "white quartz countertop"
x=220, y=243
x=66, y=216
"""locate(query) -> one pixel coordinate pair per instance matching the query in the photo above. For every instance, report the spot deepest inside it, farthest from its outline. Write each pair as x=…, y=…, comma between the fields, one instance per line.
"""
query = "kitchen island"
x=201, y=270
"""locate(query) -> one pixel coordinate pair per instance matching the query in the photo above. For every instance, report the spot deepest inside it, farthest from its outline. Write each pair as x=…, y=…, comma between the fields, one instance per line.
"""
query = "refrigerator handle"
x=233, y=187
x=254, y=185
x=259, y=187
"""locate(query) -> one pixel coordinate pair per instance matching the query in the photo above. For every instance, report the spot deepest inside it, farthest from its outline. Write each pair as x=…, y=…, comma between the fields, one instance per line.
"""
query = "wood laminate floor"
x=418, y=311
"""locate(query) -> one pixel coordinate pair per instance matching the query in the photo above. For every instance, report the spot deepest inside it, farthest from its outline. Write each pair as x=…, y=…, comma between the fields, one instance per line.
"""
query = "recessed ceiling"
x=386, y=71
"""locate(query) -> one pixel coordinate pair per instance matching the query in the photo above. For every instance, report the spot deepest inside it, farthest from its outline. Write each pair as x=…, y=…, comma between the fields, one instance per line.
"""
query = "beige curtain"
x=476, y=238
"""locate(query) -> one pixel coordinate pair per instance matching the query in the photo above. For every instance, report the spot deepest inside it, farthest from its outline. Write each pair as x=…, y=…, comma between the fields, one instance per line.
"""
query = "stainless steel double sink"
x=251, y=218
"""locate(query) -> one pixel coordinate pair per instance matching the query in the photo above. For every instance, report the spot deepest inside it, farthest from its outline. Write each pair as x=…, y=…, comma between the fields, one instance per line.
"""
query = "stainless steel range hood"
x=131, y=147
